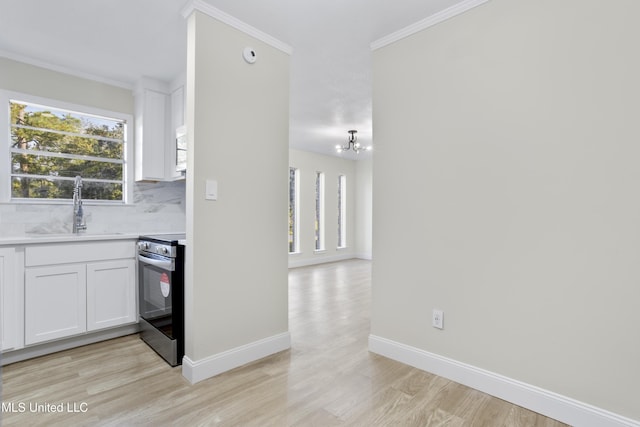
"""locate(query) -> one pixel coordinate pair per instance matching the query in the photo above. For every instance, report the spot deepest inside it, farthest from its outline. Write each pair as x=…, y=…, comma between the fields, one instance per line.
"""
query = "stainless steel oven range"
x=161, y=294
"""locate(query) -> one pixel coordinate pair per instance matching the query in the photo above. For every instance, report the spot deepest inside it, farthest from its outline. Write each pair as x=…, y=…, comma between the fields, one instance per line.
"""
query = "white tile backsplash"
x=156, y=207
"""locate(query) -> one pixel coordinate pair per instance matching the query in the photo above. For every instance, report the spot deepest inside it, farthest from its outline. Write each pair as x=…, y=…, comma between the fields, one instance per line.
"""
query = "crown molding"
x=429, y=21
x=207, y=9
x=64, y=70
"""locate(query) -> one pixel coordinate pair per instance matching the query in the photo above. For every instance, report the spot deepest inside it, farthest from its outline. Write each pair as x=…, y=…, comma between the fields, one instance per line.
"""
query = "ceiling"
x=118, y=41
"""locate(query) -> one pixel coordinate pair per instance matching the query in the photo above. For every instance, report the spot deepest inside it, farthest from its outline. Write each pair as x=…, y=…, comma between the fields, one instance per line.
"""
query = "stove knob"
x=163, y=250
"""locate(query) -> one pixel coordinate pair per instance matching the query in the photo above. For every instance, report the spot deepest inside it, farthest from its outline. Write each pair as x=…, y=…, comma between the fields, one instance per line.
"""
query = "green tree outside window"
x=49, y=147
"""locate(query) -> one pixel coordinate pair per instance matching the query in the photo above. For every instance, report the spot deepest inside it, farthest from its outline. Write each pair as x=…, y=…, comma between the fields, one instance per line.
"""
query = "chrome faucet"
x=78, y=214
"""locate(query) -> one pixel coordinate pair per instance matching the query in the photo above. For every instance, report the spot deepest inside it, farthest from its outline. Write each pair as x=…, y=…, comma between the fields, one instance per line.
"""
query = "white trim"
x=60, y=69
x=367, y=256
x=293, y=263
x=207, y=9
x=342, y=211
x=430, y=21
x=199, y=370
x=320, y=212
x=542, y=401
x=5, y=153
x=296, y=209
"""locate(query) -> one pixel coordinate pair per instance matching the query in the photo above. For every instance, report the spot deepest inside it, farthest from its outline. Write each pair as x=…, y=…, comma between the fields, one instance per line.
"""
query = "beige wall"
x=238, y=121
x=20, y=77
x=364, y=208
x=308, y=164
x=506, y=180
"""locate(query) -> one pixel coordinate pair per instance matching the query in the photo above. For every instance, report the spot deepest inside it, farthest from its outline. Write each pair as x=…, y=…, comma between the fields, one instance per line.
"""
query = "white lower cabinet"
x=78, y=292
x=8, y=318
x=111, y=294
x=55, y=302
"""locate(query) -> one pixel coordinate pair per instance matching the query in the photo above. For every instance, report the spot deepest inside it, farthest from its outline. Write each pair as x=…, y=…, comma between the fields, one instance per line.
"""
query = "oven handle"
x=163, y=264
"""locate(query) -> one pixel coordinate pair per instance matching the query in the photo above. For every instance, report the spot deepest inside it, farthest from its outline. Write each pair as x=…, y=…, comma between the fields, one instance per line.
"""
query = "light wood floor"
x=328, y=378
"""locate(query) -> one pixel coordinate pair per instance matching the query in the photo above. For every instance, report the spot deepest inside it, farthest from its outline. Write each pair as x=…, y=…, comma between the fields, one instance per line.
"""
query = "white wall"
x=238, y=122
x=308, y=164
x=511, y=201
x=156, y=207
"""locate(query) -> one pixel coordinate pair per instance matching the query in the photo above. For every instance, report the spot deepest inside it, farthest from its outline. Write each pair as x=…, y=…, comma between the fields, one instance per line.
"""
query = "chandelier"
x=352, y=144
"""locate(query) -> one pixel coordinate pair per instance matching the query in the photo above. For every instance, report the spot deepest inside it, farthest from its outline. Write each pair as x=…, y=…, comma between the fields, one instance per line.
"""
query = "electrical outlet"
x=438, y=319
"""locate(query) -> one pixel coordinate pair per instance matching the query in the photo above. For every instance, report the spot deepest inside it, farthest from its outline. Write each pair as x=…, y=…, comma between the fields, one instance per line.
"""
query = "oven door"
x=156, y=281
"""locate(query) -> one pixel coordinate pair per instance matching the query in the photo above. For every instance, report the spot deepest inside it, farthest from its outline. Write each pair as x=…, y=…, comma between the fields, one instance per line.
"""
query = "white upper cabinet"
x=159, y=111
x=177, y=107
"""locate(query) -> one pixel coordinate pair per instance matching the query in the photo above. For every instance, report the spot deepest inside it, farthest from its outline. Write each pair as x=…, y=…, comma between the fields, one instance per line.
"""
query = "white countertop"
x=31, y=239
x=66, y=237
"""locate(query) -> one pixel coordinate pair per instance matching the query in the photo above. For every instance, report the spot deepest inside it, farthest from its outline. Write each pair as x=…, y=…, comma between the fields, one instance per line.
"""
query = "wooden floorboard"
x=328, y=378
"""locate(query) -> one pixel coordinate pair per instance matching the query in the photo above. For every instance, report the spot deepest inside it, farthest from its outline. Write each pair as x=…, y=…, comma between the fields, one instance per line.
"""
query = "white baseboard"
x=367, y=256
x=319, y=259
x=196, y=371
x=542, y=401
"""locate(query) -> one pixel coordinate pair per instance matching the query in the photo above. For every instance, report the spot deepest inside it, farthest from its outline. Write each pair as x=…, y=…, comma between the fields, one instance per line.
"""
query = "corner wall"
x=512, y=204
x=236, y=271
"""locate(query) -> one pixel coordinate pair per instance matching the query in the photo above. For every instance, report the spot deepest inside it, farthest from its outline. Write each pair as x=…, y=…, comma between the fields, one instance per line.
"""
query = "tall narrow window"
x=319, y=211
x=342, y=211
x=293, y=210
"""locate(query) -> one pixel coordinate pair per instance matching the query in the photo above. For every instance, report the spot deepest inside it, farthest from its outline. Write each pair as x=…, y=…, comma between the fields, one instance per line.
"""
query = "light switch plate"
x=211, y=190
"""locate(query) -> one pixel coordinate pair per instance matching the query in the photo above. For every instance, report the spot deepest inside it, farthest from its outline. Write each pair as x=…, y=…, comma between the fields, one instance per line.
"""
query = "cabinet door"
x=151, y=135
x=177, y=121
x=177, y=108
x=111, y=294
x=55, y=302
x=8, y=319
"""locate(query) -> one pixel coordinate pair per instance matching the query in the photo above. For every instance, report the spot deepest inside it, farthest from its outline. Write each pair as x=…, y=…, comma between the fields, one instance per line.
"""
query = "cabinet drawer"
x=67, y=253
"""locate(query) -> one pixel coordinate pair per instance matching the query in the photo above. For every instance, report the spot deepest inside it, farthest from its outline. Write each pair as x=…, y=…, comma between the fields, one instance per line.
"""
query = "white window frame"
x=342, y=211
x=296, y=209
x=5, y=151
x=319, y=200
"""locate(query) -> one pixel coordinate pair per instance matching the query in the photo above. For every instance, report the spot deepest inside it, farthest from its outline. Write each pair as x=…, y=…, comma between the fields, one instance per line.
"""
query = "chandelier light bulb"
x=352, y=144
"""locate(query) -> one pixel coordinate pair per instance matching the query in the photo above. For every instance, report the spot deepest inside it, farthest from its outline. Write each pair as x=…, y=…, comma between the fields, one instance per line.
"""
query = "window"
x=342, y=211
x=293, y=210
x=319, y=211
x=50, y=143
